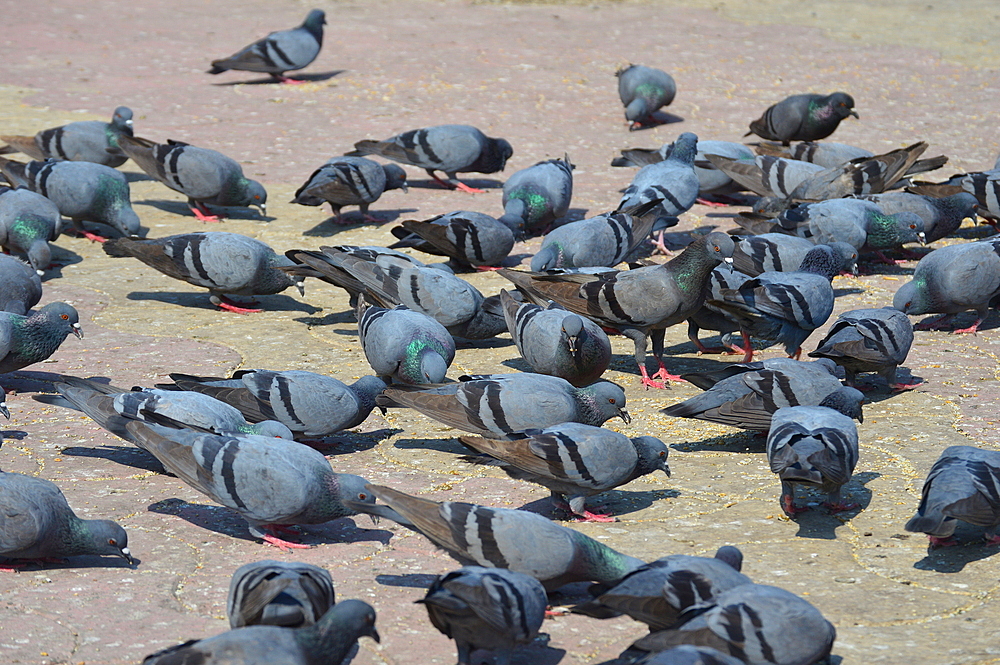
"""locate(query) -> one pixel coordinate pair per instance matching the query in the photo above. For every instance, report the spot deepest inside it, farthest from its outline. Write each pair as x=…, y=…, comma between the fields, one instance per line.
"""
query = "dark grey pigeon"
x=486, y=608
x=710, y=317
x=868, y=340
x=224, y=263
x=348, y=181
x=20, y=286
x=503, y=538
x=573, y=461
x=557, y=342
x=808, y=117
x=470, y=239
x=963, y=484
x=813, y=446
x=686, y=654
x=279, y=52
x=826, y=154
x=985, y=186
x=3, y=403
x=638, y=303
x=36, y=522
x=204, y=176
x=535, y=197
x=404, y=345
x=942, y=216
x=29, y=339
x=279, y=593
x=83, y=191
x=766, y=175
x=28, y=222
x=951, y=280
x=503, y=404
x=85, y=141
x=453, y=149
x=644, y=90
x=779, y=252
x=328, y=641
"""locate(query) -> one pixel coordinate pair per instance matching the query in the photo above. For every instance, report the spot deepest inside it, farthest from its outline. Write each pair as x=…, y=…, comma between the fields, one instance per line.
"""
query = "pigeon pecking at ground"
x=20, y=286
x=279, y=52
x=279, y=593
x=404, y=345
x=84, y=141
x=644, y=91
x=469, y=239
x=347, y=181
x=808, y=117
x=868, y=340
x=28, y=223
x=535, y=197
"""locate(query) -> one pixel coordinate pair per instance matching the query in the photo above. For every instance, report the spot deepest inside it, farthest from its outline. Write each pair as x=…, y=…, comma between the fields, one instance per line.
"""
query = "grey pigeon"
x=760, y=625
x=204, y=176
x=985, y=186
x=83, y=191
x=535, y=197
x=327, y=642
x=710, y=317
x=453, y=149
x=20, y=286
x=28, y=222
x=503, y=404
x=951, y=280
x=639, y=303
x=348, y=181
x=573, y=461
x=686, y=654
x=32, y=338
x=471, y=239
x=711, y=181
x=224, y=263
x=4, y=411
x=85, y=141
x=942, y=216
x=963, y=484
x=826, y=154
x=780, y=252
x=808, y=117
x=408, y=346
x=748, y=398
x=868, y=340
x=486, y=608
x=503, y=538
x=279, y=593
x=36, y=522
x=279, y=52
x=813, y=446
x=557, y=342
x=644, y=90
x=768, y=176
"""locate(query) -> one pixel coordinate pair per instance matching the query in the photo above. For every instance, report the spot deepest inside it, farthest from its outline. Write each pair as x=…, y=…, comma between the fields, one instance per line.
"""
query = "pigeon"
x=711, y=181
x=644, y=90
x=868, y=340
x=279, y=52
x=754, y=391
x=85, y=141
x=813, y=446
x=36, y=522
x=779, y=252
x=951, y=280
x=942, y=216
x=83, y=191
x=557, y=342
x=20, y=286
x=759, y=624
x=330, y=640
x=32, y=338
x=4, y=411
x=470, y=239
x=450, y=148
x=710, y=317
x=686, y=654
x=279, y=593
x=28, y=222
x=504, y=538
x=963, y=484
x=203, y=175
x=310, y=405
x=224, y=263
x=407, y=346
x=499, y=405
x=826, y=154
x=808, y=117
x=486, y=608
x=985, y=186
x=533, y=198
x=573, y=461
x=637, y=303
x=768, y=176
x=348, y=181
x=659, y=593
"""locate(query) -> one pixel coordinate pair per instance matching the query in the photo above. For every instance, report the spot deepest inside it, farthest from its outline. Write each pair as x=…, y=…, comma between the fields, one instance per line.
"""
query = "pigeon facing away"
x=279, y=593
x=779, y=252
x=203, y=175
x=644, y=90
x=86, y=141
x=36, y=522
x=405, y=345
x=573, y=460
x=826, y=154
x=809, y=117
x=469, y=238
x=868, y=340
x=942, y=216
x=535, y=197
x=711, y=181
x=28, y=222
x=710, y=317
x=486, y=608
x=453, y=149
x=985, y=186
x=962, y=485
x=330, y=640
x=279, y=52
x=32, y=338
x=224, y=263
x=20, y=286
x=348, y=181
x=813, y=446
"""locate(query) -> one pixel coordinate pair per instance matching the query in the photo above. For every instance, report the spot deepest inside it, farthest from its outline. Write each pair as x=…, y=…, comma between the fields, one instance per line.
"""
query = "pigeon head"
x=353, y=490
x=104, y=537
x=848, y=256
x=914, y=298
x=273, y=428
x=963, y=203
x=685, y=148
x=572, y=326
x=64, y=317
x=423, y=364
x=127, y=222
x=821, y=260
x=719, y=248
x=348, y=617
x=886, y=231
x=122, y=117
x=395, y=177
x=847, y=401
x=256, y=196
x=731, y=555
x=547, y=257
x=314, y=23
x=40, y=256
x=605, y=400
x=842, y=105
x=652, y=455
x=500, y=151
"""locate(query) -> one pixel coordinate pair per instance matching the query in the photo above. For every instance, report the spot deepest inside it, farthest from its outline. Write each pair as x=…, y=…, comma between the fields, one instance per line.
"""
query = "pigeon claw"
x=942, y=542
x=465, y=188
x=899, y=387
x=230, y=306
x=648, y=382
x=971, y=329
x=203, y=213
x=588, y=516
x=93, y=237
x=284, y=545
x=788, y=505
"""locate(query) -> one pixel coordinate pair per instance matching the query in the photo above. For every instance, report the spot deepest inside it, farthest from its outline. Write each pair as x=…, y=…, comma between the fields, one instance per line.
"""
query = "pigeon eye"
x=362, y=496
x=112, y=542
x=65, y=317
x=662, y=454
x=257, y=196
x=913, y=226
x=611, y=400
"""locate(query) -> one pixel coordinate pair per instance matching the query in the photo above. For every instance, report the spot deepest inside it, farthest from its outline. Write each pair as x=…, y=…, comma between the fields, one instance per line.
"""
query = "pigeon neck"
x=692, y=267
x=526, y=204
x=26, y=229
x=36, y=337
x=882, y=232
x=599, y=562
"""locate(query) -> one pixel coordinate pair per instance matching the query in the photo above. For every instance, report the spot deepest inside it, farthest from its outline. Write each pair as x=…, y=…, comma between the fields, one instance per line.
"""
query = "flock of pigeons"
x=822, y=209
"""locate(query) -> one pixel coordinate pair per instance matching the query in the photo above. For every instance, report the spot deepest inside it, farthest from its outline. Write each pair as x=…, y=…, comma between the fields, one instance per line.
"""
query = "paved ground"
x=541, y=76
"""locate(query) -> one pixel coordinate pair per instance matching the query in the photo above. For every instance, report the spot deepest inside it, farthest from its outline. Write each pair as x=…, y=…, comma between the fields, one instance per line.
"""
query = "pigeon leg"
x=648, y=382
x=788, y=500
x=225, y=303
x=13, y=567
x=747, y=349
x=656, y=335
x=659, y=244
x=885, y=259
x=942, y=542
x=203, y=213
x=465, y=188
x=797, y=355
x=971, y=329
x=702, y=349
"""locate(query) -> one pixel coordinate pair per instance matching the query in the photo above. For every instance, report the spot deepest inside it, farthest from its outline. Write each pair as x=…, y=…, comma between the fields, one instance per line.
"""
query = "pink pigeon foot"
x=839, y=507
x=284, y=545
x=788, y=505
x=942, y=542
x=595, y=517
x=648, y=382
x=971, y=329
x=12, y=567
x=710, y=203
x=287, y=81
x=93, y=237
x=659, y=245
x=488, y=268
x=465, y=188
x=203, y=213
x=702, y=349
x=662, y=373
x=935, y=324
x=230, y=306
x=885, y=259
x=899, y=387
x=995, y=540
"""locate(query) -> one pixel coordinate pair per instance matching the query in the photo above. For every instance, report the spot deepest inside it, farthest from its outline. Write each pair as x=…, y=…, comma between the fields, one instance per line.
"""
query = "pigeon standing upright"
x=28, y=222
x=279, y=52
x=84, y=141
x=808, y=117
x=20, y=286
x=279, y=593
x=31, y=338
x=535, y=197
x=346, y=181
x=408, y=346
x=868, y=340
x=644, y=90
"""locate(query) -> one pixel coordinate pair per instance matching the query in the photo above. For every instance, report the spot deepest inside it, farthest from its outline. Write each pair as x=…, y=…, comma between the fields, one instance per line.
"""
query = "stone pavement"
x=542, y=77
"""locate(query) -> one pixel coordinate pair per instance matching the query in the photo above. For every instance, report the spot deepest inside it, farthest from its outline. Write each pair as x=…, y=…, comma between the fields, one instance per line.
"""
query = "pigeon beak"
x=666, y=469
x=405, y=188
x=855, y=114
x=40, y=272
x=127, y=555
x=4, y=411
x=300, y=285
x=129, y=123
x=263, y=209
x=624, y=415
x=77, y=330
x=729, y=262
x=374, y=635
x=922, y=238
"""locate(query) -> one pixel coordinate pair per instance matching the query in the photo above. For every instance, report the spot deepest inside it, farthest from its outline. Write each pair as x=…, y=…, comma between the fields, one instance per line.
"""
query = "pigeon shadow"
x=308, y=78
x=124, y=455
x=517, y=364
x=12, y=434
x=954, y=559
x=410, y=580
x=817, y=522
x=333, y=318
x=61, y=257
x=269, y=303
x=615, y=502
x=489, y=343
x=82, y=561
x=354, y=219
x=963, y=320
x=345, y=443
x=839, y=293
x=479, y=183
x=740, y=441
x=31, y=381
x=447, y=445
x=181, y=208
x=657, y=119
